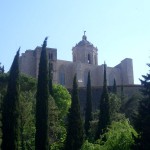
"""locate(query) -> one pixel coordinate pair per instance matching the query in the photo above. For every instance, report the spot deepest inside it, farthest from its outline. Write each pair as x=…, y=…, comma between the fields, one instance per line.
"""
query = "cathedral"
x=84, y=59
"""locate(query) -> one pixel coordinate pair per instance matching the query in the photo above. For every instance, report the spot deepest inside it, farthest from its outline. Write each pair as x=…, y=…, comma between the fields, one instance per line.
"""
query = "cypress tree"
x=143, y=120
x=88, y=109
x=104, y=115
x=1, y=69
x=122, y=92
x=10, y=110
x=41, y=136
x=50, y=79
x=114, y=87
x=74, y=139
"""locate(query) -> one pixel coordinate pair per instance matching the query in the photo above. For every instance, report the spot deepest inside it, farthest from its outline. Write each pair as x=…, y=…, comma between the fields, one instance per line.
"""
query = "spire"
x=84, y=36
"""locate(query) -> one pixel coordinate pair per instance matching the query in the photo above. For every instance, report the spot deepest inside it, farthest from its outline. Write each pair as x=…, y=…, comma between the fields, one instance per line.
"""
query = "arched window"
x=62, y=77
x=89, y=59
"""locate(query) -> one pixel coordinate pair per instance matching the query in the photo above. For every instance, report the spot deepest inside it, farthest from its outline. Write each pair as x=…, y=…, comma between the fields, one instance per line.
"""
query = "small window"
x=62, y=78
x=50, y=56
x=89, y=59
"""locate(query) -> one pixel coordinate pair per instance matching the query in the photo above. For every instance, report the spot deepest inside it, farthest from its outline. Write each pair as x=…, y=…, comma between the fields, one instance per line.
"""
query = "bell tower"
x=85, y=52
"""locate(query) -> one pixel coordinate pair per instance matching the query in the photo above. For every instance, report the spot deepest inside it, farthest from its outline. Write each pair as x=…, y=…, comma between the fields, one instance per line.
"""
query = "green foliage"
x=93, y=126
x=1, y=99
x=53, y=120
x=57, y=129
x=3, y=83
x=130, y=107
x=62, y=99
x=119, y=136
x=27, y=83
x=10, y=109
x=115, y=115
x=74, y=139
x=122, y=96
x=58, y=110
x=115, y=104
x=41, y=136
x=1, y=69
x=27, y=120
x=114, y=87
x=143, y=120
x=57, y=132
x=27, y=101
x=90, y=146
x=92, y=130
x=61, y=136
x=104, y=115
x=50, y=78
x=88, y=108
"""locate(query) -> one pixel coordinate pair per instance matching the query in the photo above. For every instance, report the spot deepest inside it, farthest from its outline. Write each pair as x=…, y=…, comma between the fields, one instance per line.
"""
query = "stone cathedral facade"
x=84, y=59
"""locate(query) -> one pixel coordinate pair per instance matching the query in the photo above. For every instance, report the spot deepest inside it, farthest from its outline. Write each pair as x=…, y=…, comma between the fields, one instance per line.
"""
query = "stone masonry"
x=85, y=59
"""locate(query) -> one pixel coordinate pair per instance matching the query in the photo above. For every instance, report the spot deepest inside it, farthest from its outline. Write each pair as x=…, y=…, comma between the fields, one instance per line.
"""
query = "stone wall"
x=122, y=73
x=27, y=63
x=129, y=91
x=126, y=68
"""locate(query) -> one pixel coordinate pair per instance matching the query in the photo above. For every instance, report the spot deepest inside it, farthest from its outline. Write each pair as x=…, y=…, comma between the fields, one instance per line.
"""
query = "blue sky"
x=118, y=28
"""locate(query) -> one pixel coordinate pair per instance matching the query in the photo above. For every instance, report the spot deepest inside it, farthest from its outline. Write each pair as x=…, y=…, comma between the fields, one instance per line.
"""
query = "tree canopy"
x=62, y=99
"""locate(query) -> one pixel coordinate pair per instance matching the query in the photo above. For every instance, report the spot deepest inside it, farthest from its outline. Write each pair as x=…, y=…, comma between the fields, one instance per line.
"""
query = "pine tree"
x=143, y=120
x=50, y=79
x=88, y=109
x=10, y=110
x=41, y=136
x=74, y=139
x=114, y=87
x=104, y=115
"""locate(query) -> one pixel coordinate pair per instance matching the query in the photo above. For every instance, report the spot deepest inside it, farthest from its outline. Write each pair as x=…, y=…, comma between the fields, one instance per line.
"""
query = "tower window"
x=50, y=56
x=62, y=76
x=89, y=59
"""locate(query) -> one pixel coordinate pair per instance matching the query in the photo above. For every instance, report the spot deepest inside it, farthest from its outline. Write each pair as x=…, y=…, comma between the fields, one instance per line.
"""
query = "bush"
x=120, y=136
